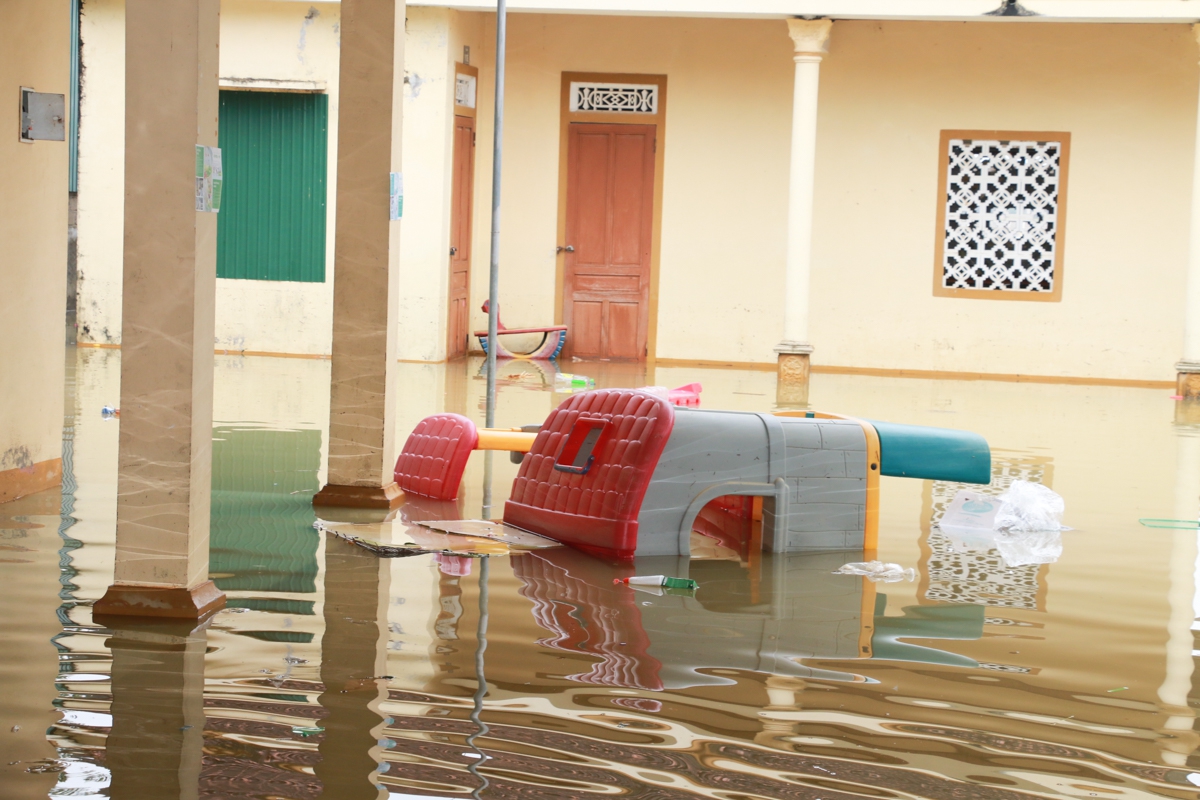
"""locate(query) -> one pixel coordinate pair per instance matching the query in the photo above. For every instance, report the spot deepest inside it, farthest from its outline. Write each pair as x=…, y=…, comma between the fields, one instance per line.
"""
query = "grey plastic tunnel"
x=939, y=454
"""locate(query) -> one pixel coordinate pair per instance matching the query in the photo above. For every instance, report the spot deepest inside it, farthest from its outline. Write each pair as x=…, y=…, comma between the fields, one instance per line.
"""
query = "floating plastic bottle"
x=108, y=412
x=657, y=580
x=567, y=382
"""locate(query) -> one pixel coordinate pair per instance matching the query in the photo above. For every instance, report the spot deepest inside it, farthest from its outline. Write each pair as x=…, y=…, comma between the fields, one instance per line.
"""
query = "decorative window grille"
x=1001, y=214
x=625, y=98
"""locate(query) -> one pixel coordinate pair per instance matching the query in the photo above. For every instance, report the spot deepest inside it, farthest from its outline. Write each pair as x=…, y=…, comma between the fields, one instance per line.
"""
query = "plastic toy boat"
x=624, y=473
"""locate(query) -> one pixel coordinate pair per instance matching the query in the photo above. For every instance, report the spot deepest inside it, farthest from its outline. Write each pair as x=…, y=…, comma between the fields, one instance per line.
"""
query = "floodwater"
x=340, y=675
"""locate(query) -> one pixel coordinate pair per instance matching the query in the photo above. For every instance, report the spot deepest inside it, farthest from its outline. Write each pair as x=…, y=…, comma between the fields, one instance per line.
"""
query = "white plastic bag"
x=1029, y=506
x=1035, y=547
x=878, y=571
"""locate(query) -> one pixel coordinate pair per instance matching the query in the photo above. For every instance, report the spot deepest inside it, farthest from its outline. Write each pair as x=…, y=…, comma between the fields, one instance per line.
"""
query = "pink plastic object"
x=688, y=395
x=454, y=566
x=583, y=481
x=435, y=456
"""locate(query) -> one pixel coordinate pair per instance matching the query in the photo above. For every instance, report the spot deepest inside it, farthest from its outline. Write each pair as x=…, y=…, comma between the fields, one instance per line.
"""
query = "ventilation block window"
x=628, y=98
x=1001, y=215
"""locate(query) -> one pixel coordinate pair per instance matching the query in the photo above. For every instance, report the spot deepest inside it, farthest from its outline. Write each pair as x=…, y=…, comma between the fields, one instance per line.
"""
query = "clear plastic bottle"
x=567, y=382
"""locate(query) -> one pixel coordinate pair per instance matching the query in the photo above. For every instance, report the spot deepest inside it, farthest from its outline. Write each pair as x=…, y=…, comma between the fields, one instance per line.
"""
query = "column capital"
x=811, y=36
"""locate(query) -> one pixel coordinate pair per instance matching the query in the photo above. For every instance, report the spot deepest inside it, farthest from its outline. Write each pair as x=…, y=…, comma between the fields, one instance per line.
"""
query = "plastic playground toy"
x=553, y=339
x=624, y=473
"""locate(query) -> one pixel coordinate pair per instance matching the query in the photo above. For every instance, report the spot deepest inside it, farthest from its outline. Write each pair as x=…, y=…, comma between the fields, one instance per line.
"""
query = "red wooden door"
x=610, y=198
x=461, y=192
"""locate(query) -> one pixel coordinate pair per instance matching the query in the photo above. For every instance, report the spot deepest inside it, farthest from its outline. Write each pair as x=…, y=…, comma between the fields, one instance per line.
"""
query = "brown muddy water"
x=336, y=674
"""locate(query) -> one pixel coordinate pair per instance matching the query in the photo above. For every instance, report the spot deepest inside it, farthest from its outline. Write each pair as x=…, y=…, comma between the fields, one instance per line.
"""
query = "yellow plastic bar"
x=513, y=440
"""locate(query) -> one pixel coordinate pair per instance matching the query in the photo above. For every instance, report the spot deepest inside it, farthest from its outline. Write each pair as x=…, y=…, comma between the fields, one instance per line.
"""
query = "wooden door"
x=610, y=198
x=461, y=193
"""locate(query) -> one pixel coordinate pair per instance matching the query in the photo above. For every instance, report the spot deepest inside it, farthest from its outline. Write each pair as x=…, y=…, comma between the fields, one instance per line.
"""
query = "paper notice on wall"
x=208, y=178
x=396, y=210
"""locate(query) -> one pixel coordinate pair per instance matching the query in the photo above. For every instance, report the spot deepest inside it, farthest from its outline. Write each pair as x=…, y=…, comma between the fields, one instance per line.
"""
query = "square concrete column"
x=362, y=447
x=810, y=40
x=164, y=472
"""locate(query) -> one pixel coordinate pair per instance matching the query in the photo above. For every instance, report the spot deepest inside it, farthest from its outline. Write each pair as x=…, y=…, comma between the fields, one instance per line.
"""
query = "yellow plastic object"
x=514, y=440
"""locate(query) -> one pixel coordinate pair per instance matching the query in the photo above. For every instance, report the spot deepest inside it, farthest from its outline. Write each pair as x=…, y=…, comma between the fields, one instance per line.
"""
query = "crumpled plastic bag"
x=1031, y=547
x=1029, y=507
x=876, y=571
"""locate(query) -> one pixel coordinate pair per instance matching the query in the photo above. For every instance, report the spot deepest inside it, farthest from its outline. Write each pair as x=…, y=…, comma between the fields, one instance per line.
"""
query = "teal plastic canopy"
x=939, y=454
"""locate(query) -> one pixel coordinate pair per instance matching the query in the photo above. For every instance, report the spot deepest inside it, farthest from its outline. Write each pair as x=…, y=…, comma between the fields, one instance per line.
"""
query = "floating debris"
x=657, y=580
x=307, y=730
x=471, y=538
x=876, y=571
x=1178, y=524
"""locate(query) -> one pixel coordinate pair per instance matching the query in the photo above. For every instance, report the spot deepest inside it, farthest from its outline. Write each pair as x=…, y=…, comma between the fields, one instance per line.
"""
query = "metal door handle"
x=568, y=248
x=453, y=251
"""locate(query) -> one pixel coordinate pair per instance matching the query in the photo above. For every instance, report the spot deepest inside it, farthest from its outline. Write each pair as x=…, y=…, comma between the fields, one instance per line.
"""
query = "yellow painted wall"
x=725, y=186
x=1127, y=95
x=435, y=38
x=34, y=52
x=261, y=41
x=282, y=41
x=101, y=198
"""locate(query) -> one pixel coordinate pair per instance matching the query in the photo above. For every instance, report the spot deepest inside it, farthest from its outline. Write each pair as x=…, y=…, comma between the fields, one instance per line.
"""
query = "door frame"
x=469, y=112
x=470, y=230
x=659, y=120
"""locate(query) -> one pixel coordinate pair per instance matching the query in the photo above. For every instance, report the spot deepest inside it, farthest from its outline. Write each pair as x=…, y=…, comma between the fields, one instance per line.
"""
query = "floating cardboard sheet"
x=497, y=531
x=457, y=537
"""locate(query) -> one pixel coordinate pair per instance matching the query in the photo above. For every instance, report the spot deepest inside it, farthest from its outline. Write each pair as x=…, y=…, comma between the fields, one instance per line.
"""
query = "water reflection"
x=985, y=678
x=155, y=745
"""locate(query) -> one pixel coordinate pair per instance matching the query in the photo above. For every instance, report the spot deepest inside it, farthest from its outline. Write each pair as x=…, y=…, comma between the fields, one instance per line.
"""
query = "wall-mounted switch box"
x=43, y=116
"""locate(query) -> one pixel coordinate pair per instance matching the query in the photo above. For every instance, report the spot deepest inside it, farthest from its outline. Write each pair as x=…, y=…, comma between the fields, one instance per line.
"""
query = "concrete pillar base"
x=333, y=495
x=160, y=602
x=1187, y=385
x=791, y=387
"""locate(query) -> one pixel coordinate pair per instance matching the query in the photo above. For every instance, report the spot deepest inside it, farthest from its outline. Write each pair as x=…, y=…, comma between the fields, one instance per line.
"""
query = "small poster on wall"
x=208, y=178
x=397, y=196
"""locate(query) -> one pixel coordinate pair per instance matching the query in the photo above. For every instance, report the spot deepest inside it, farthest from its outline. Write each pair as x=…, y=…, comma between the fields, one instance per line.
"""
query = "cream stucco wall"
x=34, y=50
x=1127, y=95
x=266, y=41
x=262, y=43
x=434, y=42
x=101, y=198
x=728, y=101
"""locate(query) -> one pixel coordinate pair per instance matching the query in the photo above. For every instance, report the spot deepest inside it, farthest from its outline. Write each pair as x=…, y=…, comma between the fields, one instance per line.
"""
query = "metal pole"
x=494, y=270
x=481, y=728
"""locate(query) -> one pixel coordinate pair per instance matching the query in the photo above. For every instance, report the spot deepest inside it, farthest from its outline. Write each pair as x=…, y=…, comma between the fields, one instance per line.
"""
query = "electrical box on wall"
x=43, y=116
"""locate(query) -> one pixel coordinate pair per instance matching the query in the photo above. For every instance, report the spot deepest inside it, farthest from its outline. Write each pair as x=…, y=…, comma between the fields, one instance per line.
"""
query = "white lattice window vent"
x=1001, y=215
x=622, y=98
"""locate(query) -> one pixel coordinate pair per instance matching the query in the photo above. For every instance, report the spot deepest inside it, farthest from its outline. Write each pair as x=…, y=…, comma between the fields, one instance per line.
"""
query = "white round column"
x=1188, y=368
x=810, y=39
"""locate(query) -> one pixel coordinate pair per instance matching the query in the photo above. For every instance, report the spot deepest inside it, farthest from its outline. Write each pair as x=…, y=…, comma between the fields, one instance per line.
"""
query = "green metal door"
x=273, y=153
